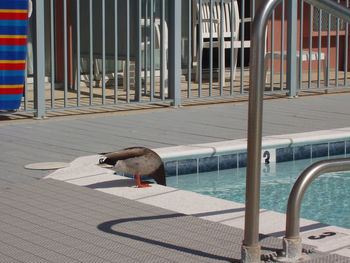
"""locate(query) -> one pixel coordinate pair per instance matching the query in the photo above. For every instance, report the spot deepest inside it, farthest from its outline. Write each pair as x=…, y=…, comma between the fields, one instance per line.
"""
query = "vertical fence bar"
x=272, y=64
x=145, y=26
x=301, y=36
x=328, y=49
x=39, y=61
x=200, y=50
x=346, y=49
x=242, y=47
x=292, y=16
x=52, y=53
x=25, y=103
x=78, y=54
x=222, y=48
x=310, y=47
x=91, y=54
x=337, y=52
x=116, y=60
x=211, y=49
x=163, y=55
x=189, y=47
x=127, y=51
x=65, y=53
x=174, y=51
x=233, y=50
x=282, y=45
x=138, y=62
x=152, y=51
x=319, y=50
x=103, y=3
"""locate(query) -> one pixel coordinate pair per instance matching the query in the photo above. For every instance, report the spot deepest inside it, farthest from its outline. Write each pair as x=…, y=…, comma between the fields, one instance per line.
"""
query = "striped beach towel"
x=13, y=50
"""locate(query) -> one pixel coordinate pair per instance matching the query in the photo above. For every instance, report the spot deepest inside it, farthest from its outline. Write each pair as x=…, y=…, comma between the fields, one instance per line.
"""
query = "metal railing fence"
x=106, y=53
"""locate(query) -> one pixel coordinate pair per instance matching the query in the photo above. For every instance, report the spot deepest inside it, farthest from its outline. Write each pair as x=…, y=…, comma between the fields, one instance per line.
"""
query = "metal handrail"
x=251, y=246
x=292, y=240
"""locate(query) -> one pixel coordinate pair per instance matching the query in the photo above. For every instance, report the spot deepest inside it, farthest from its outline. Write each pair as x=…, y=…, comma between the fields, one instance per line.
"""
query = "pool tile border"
x=221, y=157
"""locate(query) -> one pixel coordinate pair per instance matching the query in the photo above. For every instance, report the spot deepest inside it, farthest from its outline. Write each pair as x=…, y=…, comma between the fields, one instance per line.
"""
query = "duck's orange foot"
x=140, y=184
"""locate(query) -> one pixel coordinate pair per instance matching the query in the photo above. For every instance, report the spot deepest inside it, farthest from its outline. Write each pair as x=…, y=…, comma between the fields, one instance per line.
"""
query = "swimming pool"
x=327, y=200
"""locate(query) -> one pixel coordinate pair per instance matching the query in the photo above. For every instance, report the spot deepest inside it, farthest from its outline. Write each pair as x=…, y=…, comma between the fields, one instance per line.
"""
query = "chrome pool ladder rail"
x=292, y=242
x=250, y=251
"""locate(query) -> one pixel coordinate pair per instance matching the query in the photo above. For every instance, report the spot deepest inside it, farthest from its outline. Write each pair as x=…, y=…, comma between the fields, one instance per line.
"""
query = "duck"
x=135, y=161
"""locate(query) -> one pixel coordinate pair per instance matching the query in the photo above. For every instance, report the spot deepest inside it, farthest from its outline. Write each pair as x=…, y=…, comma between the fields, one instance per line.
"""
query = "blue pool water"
x=327, y=200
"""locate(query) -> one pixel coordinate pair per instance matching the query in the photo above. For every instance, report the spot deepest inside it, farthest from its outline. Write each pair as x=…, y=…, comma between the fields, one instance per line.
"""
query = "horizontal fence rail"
x=106, y=53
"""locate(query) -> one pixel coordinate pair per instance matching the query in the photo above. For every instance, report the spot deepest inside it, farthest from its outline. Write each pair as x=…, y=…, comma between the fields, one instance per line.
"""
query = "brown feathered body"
x=136, y=161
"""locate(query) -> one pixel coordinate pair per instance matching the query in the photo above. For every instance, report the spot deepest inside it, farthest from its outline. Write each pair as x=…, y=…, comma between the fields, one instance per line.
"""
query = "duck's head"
x=105, y=162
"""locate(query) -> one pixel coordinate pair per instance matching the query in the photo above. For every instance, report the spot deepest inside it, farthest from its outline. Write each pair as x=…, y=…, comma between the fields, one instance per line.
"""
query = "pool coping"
x=83, y=171
x=229, y=146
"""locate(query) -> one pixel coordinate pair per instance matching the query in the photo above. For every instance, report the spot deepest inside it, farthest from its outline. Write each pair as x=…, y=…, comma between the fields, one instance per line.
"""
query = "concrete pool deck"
x=84, y=172
x=68, y=139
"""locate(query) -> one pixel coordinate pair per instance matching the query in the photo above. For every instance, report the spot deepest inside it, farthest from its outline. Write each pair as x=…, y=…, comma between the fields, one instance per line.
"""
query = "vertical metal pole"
x=272, y=60
x=78, y=54
x=39, y=61
x=52, y=53
x=251, y=247
x=65, y=53
x=346, y=49
x=163, y=56
x=292, y=16
x=282, y=45
x=175, y=52
x=116, y=60
x=152, y=47
x=91, y=53
x=127, y=63
x=103, y=52
x=301, y=36
x=200, y=49
x=242, y=47
x=189, y=47
x=222, y=49
x=319, y=49
x=211, y=49
x=138, y=68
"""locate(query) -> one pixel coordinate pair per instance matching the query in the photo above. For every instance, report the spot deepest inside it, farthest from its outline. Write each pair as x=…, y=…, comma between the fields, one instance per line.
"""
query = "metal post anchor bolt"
x=250, y=254
x=292, y=248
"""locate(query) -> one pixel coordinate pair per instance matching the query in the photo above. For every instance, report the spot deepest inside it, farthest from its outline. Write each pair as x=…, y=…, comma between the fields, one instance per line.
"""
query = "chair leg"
x=222, y=66
x=234, y=66
x=198, y=66
x=124, y=75
x=267, y=63
x=325, y=71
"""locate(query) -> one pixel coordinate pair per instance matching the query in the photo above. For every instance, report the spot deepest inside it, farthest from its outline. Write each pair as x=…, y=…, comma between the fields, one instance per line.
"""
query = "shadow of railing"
x=107, y=227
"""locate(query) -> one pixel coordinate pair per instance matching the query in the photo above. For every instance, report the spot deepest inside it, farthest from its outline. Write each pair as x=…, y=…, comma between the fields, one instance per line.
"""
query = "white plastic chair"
x=230, y=29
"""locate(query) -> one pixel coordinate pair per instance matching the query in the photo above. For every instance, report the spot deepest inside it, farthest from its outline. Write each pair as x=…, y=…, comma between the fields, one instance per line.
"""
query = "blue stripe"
x=11, y=80
x=14, y=4
x=10, y=97
x=13, y=55
x=13, y=30
x=11, y=73
x=13, y=48
x=9, y=104
x=12, y=22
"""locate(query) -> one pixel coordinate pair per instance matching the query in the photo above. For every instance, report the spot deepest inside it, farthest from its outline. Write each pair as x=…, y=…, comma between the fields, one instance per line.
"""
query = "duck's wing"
x=125, y=153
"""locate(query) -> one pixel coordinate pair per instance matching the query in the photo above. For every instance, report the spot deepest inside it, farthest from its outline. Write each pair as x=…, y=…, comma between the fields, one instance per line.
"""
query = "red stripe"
x=14, y=16
x=12, y=66
x=11, y=91
x=13, y=41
